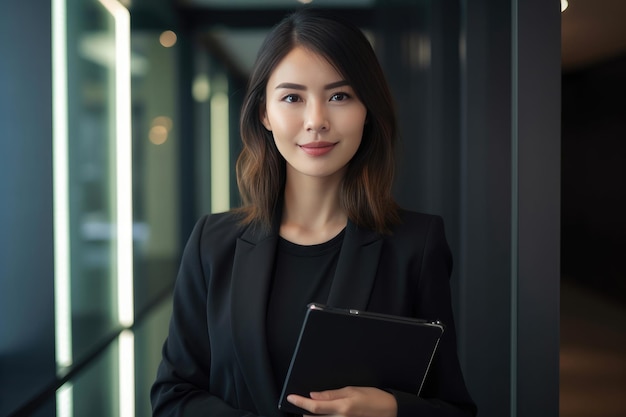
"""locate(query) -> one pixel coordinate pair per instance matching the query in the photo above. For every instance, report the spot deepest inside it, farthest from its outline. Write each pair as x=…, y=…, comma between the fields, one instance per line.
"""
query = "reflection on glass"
x=63, y=322
x=65, y=400
x=217, y=97
x=117, y=382
x=220, y=150
x=92, y=178
x=127, y=374
x=95, y=390
x=156, y=169
x=168, y=39
x=123, y=164
x=149, y=336
x=201, y=89
x=160, y=129
x=91, y=105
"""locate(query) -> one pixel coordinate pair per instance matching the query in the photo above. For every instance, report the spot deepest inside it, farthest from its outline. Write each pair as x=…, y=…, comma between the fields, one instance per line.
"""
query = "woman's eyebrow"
x=291, y=86
x=294, y=86
x=336, y=84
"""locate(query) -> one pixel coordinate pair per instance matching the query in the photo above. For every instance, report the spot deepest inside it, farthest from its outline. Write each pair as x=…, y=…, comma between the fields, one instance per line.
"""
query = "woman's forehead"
x=304, y=66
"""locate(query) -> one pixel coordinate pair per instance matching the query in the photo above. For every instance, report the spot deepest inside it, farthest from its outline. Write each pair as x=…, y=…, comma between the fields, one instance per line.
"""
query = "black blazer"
x=215, y=359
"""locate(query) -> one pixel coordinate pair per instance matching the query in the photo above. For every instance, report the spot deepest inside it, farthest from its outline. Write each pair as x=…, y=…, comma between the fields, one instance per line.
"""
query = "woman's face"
x=314, y=115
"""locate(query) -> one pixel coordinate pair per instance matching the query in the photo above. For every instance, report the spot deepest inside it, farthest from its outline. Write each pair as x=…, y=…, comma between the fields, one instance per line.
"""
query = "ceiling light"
x=168, y=39
x=564, y=4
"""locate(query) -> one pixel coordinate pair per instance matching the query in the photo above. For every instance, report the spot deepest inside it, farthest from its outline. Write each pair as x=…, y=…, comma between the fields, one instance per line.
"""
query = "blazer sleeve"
x=444, y=393
x=182, y=385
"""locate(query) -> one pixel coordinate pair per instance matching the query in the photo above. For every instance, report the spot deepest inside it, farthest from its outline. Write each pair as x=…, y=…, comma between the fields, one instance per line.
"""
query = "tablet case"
x=341, y=347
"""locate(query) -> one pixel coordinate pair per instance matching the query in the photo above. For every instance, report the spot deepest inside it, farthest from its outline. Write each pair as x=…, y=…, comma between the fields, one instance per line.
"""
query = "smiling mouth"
x=317, y=148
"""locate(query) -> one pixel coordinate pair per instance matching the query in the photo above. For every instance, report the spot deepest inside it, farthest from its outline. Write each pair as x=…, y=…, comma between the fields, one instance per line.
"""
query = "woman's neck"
x=312, y=213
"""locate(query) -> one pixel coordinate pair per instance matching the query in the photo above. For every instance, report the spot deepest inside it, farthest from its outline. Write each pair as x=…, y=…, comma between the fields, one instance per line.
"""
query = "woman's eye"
x=291, y=98
x=339, y=97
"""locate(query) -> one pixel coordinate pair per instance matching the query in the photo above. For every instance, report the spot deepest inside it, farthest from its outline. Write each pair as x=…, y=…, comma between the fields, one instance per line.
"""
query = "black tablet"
x=340, y=347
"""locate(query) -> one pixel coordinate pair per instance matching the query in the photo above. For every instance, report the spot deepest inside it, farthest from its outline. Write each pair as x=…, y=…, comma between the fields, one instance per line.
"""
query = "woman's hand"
x=349, y=402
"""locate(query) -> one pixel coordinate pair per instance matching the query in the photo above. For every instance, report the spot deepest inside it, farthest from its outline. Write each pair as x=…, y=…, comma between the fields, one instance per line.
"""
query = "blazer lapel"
x=356, y=269
x=251, y=281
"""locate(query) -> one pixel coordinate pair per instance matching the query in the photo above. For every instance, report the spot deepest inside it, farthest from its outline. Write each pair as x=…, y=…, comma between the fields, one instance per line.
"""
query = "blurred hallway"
x=593, y=302
x=593, y=354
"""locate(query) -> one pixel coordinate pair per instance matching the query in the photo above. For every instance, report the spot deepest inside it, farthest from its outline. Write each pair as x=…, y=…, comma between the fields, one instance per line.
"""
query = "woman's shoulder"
x=414, y=219
x=228, y=219
x=418, y=230
x=219, y=227
x=414, y=226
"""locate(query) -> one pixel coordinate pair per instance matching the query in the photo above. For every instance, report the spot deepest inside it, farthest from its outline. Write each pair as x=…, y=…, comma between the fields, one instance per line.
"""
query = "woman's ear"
x=264, y=119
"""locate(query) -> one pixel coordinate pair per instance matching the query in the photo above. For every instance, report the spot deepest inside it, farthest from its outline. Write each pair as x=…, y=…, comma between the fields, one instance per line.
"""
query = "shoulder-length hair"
x=366, y=189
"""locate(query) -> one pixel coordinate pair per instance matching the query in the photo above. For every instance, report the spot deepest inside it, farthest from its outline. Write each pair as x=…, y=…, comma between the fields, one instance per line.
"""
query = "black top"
x=216, y=359
x=302, y=275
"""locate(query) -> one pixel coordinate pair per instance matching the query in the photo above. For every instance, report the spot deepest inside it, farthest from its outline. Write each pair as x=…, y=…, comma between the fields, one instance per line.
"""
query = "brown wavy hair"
x=365, y=193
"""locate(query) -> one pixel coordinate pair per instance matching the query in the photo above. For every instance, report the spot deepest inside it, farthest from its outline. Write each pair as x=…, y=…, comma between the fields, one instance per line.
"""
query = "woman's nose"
x=316, y=117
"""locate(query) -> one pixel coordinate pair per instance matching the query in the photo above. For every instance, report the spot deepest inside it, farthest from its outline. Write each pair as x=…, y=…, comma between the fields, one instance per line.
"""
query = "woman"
x=318, y=224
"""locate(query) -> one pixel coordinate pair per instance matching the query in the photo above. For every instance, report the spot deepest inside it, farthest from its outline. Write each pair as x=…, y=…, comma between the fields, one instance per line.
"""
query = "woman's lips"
x=317, y=148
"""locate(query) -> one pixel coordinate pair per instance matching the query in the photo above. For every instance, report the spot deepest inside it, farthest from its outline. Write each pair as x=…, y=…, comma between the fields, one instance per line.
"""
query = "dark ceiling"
x=592, y=30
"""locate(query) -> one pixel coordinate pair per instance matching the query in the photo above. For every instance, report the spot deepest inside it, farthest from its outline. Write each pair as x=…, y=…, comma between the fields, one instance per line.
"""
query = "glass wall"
x=156, y=162
x=217, y=95
x=109, y=279
x=91, y=191
x=92, y=175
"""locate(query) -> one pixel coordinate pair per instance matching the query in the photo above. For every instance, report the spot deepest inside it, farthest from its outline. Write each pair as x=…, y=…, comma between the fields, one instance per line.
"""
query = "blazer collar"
x=251, y=282
x=356, y=268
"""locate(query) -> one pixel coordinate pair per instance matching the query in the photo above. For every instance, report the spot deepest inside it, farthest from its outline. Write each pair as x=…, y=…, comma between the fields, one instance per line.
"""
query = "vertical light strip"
x=124, y=206
x=127, y=374
x=65, y=406
x=220, y=170
x=60, y=176
x=514, y=201
x=123, y=163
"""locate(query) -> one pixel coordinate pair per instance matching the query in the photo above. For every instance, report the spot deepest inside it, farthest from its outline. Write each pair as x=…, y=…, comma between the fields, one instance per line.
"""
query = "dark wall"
x=485, y=254
x=481, y=146
x=27, y=360
x=594, y=177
